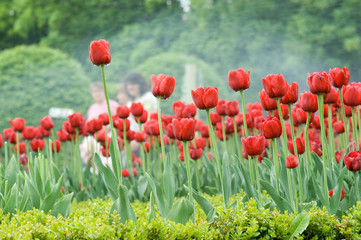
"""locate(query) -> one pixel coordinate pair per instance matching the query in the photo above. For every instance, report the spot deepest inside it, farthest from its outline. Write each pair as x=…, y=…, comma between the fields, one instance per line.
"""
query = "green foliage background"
x=33, y=79
x=291, y=37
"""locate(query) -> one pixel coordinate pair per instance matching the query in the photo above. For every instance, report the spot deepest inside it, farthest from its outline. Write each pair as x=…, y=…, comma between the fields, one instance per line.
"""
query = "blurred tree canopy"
x=292, y=37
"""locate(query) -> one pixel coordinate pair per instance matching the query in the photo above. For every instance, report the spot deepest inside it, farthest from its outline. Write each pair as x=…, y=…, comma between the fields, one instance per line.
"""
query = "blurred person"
x=100, y=105
x=122, y=96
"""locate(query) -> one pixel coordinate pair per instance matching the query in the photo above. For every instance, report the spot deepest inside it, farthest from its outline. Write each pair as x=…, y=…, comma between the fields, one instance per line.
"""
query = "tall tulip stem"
x=117, y=167
x=284, y=133
x=276, y=163
x=161, y=129
x=344, y=119
x=189, y=176
x=324, y=147
x=236, y=136
x=244, y=114
x=354, y=128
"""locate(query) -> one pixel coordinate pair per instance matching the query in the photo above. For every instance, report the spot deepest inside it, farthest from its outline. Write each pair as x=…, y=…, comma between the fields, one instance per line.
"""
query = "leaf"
x=152, y=210
x=181, y=211
x=142, y=185
x=108, y=177
x=123, y=207
x=318, y=163
x=159, y=196
x=299, y=224
x=206, y=206
x=62, y=206
x=281, y=203
x=227, y=181
x=334, y=202
x=248, y=188
x=34, y=194
x=50, y=199
x=317, y=188
x=11, y=172
x=10, y=199
x=168, y=181
x=114, y=155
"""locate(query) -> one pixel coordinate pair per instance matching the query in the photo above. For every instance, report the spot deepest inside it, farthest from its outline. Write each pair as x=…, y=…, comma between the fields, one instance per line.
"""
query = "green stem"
x=6, y=155
x=290, y=190
x=254, y=159
x=354, y=128
x=309, y=161
x=189, y=176
x=142, y=147
x=356, y=187
x=236, y=136
x=244, y=114
x=117, y=167
x=324, y=147
x=224, y=135
x=295, y=188
x=276, y=163
x=331, y=141
x=344, y=119
x=126, y=147
x=197, y=175
x=161, y=129
x=284, y=133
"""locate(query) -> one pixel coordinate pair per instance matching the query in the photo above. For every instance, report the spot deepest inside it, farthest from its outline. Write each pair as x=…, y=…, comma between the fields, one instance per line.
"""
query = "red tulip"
x=238, y=79
x=195, y=153
x=330, y=193
x=152, y=128
x=271, y=127
x=76, y=120
x=143, y=118
x=136, y=109
x=184, y=129
x=162, y=86
x=339, y=77
x=104, y=117
x=316, y=146
x=169, y=131
x=125, y=173
x=47, y=123
x=8, y=132
x=338, y=155
x=291, y=94
x=105, y=151
x=275, y=85
x=37, y=144
x=99, y=52
x=204, y=131
x=221, y=107
x=63, y=135
x=201, y=143
x=300, y=144
x=319, y=82
x=291, y=161
x=205, y=97
x=338, y=127
x=94, y=125
x=182, y=110
x=57, y=145
x=352, y=94
x=331, y=97
x=146, y=147
x=232, y=108
x=284, y=110
x=352, y=161
x=308, y=102
x=254, y=145
x=23, y=159
x=18, y=124
x=21, y=146
x=28, y=133
x=1, y=141
x=123, y=111
x=140, y=136
x=215, y=118
x=268, y=103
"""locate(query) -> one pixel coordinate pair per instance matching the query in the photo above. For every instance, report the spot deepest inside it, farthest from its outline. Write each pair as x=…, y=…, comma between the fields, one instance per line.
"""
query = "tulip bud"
x=99, y=52
x=238, y=79
x=291, y=161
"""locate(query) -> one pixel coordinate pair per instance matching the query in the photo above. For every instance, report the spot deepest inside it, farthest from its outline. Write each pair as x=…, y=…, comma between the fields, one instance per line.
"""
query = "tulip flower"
x=204, y=131
x=123, y=111
x=232, y=108
x=99, y=52
x=1, y=141
x=291, y=161
x=143, y=118
x=28, y=133
x=136, y=109
x=162, y=86
x=76, y=120
x=338, y=127
x=254, y=145
x=271, y=127
x=291, y=95
x=184, y=129
x=352, y=161
x=300, y=144
x=21, y=147
x=205, y=97
x=339, y=77
x=352, y=94
x=55, y=146
x=195, y=153
x=238, y=79
x=37, y=145
x=338, y=155
x=308, y=102
x=319, y=82
x=221, y=107
x=268, y=103
x=104, y=117
x=47, y=123
x=18, y=124
x=275, y=85
x=215, y=118
x=331, y=97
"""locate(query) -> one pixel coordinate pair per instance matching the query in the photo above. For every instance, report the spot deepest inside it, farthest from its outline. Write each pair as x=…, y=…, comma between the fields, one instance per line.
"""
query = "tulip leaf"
x=299, y=224
x=11, y=172
x=317, y=188
x=159, y=196
x=206, y=206
x=168, y=181
x=62, y=206
x=56, y=171
x=281, y=203
x=151, y=210
x=108, y=177
x=248, y=188
x=34, y=194
x=10, y=199
x=334, y=202
x=181, y=211
x=51, y=198
x=142, y=185
x=227, y=181
x=114, y=156
x=123, y=207
x=318, y=163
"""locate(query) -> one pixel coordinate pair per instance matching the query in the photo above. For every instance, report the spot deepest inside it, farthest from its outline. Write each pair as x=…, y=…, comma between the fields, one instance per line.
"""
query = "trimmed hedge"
x=35, y=78
x=89, y=220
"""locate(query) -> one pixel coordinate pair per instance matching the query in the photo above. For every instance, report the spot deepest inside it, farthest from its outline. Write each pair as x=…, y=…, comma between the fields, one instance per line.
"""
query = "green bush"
x=34, y=78
x=89, y=220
